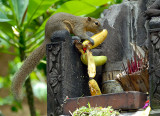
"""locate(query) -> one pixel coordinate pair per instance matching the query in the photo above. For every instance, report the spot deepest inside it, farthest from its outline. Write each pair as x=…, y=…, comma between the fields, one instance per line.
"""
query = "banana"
x=92, y=61
x=91, y=64
x=79, y=46
x=99, y=60
x=97, y=38
x=94, y=88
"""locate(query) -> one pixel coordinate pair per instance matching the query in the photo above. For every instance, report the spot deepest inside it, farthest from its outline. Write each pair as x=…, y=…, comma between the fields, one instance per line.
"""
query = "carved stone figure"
x=153, y=10
x=153, y=15
x=154, y=61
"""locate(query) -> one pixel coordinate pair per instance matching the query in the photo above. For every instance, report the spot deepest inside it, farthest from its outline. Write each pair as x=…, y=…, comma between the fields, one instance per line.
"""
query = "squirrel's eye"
x=96, y=23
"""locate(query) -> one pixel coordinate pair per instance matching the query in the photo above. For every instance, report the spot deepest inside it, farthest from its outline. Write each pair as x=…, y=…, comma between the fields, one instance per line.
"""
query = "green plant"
x=95, y=111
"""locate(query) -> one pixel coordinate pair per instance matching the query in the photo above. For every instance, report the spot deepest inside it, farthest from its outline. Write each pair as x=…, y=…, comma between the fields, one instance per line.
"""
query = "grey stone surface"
x=140, y=33
x=114, y=47
x=125, y=23
x=154, y=22
x=154, y=62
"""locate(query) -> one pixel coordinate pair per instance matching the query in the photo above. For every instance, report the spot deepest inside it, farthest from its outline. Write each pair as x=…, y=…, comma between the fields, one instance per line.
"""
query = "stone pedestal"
x=66, y=75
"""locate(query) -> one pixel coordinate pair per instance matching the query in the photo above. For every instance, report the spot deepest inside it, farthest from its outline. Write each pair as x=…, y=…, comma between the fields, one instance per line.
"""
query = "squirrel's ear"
x=89, y=18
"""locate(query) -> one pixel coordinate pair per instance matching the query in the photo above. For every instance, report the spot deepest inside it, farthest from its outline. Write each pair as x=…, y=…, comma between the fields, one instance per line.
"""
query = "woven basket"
x=138, y=81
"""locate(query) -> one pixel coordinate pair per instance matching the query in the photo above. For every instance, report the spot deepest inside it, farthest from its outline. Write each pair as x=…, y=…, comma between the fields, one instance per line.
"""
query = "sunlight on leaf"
x=96, y=2
x=76, y=8
x=43, y=61
x=40, y=90
x=8, y=41
x=19, y=8
x=42, y=27
x=37, y=8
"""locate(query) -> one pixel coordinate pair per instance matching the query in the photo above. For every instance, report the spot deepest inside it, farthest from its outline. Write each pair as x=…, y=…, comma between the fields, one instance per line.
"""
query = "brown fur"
x=60, y=21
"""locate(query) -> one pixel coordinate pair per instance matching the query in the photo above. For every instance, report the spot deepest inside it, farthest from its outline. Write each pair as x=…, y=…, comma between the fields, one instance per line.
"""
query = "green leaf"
x=3, y=17
x=38, y=7
x=42, y=27
x=34, y=46
x=76, y=8
x=96, y=2
x=6, y=28
x=4, y=2
x=19, y=7
x=118, y=1
x=35, y=40
x=14, y=109
x=97, y=12
x=7, y=52
x=8, y=41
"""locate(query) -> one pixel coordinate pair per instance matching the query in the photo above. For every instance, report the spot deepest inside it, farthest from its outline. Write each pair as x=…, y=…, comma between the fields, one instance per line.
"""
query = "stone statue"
x=153, y=10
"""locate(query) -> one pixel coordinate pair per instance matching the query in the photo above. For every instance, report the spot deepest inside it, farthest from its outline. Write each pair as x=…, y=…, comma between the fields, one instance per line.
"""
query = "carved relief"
x=155, y=69
x=155, y=39
x=55, y=76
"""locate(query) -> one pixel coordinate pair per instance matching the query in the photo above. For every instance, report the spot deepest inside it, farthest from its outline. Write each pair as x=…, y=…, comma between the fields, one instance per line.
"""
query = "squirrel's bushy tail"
x=27, y=67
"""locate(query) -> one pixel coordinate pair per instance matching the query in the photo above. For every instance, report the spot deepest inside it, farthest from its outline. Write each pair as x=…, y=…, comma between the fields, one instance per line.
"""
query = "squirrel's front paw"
x=76, y=38
x=91, y=41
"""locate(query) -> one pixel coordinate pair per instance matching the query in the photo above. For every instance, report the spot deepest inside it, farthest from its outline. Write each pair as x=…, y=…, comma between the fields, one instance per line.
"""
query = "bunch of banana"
x=93, y=61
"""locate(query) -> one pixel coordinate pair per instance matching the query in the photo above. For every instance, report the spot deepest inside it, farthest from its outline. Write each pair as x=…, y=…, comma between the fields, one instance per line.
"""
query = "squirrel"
x=61, y=21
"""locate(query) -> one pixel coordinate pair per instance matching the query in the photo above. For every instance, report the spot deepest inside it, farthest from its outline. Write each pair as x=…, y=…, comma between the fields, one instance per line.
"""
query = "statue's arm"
x=153, y=10
x=155, y=5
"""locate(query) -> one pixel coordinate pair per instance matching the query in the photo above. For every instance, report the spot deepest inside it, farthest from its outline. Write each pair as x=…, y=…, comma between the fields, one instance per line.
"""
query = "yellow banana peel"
x=91, y=64
x=99, y=60
x=93, y=61
x=94, y=88
x=97, y=38
x=79, y=46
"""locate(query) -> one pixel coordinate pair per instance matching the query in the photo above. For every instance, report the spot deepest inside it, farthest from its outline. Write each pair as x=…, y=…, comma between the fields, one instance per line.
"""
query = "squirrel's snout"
x=99, y=30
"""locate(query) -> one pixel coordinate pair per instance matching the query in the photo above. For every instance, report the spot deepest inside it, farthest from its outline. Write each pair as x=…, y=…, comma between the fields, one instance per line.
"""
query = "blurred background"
x=22, y=24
